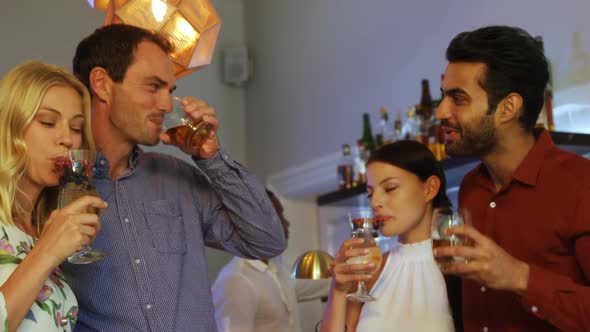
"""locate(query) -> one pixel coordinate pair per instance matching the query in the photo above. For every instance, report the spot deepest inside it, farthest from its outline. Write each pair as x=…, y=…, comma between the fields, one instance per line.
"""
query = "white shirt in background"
x=250, y=295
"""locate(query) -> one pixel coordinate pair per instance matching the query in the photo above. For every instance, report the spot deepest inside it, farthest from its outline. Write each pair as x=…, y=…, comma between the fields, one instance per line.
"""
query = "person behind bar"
x=529, y=266
x=162, y=211
x=43, y=113
x=405, y=184
x=260, y=295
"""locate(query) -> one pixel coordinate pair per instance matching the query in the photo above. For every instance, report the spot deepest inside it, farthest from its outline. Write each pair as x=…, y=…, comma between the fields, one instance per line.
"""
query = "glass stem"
x=362, y=289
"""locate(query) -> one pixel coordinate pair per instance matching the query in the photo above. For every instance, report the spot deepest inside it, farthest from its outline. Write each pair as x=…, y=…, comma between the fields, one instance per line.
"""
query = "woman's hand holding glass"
x=358, y=258
x=344, y=274
x=70, y=229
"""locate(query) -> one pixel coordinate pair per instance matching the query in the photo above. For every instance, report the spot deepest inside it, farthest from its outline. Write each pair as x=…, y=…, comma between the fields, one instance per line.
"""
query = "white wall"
x=320, y=64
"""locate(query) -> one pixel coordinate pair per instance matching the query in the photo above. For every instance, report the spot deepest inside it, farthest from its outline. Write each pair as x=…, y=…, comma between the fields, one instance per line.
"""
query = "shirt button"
x=493, y=205
x=485, y=329
x=225, y=157
x=148, y=306
x=137, y=261
x=126, y=220
x=483, y=289
x=534, y=309
x=101, y=162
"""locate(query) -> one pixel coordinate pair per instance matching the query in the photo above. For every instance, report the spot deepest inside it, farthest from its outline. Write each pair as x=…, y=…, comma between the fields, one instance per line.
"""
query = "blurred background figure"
x=260, y=295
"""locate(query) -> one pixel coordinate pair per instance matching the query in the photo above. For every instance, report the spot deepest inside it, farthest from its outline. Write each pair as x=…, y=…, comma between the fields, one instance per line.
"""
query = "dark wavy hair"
x=111, y=47
x=417, y=159
x=514, y=64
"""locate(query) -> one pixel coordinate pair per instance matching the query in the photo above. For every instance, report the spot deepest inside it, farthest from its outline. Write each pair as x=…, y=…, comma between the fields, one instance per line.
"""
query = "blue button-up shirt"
x=161, y=214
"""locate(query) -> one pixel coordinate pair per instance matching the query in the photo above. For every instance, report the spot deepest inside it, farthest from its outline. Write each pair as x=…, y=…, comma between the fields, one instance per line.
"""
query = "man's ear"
x=100, y=84
x=431, y=187
x=510, y=108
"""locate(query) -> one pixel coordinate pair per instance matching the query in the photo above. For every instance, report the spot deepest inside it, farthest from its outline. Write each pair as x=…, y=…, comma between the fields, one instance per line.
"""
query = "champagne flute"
x=76, y=181
x=443, y=219
x=364, y=226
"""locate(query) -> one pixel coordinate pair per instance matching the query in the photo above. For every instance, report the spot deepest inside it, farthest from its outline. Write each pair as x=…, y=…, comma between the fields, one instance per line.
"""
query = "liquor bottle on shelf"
x=397, y=127
x=426, y=105
x=345, y=169
x=360, y=164
x=438, y=142
x=545, y=118
x=426, y=110
x=411, y=128
x=549, y=107
x=367, y=138
x=423, y=131
x=384, y=134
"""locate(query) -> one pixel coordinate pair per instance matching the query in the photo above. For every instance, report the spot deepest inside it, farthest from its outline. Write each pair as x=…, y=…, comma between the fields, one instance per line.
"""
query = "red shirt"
x=542, y=217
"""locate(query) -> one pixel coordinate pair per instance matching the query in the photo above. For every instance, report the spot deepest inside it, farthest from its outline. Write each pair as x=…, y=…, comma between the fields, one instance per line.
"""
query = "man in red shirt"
x=529, y=266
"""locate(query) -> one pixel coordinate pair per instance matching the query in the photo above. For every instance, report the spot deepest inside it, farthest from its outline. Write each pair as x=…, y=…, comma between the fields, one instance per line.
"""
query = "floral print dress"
x=55, y=308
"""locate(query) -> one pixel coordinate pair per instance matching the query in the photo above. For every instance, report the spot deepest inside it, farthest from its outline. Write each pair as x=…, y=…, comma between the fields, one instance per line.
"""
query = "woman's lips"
x=382, y=219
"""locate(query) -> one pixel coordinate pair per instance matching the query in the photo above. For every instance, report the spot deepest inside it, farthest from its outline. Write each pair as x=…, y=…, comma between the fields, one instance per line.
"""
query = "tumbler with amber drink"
x=443, y=219
x=182, y=129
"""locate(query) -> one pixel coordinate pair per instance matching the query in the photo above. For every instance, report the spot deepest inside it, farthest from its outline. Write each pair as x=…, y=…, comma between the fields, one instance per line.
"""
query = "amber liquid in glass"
x=436, y=243
x=454, y=242
x=190, y=134
x=374, y=256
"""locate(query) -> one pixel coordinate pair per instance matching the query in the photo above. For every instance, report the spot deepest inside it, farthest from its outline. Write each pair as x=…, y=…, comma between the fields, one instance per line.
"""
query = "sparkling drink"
x=75, y=181
x=74, y=192
x=364, y=226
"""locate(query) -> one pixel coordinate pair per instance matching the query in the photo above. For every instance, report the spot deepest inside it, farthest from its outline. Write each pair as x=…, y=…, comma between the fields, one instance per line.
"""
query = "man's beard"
x=476, y=139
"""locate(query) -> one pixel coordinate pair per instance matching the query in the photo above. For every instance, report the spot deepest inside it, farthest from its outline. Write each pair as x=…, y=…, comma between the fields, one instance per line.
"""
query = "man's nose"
x=442, y=111
x=166, y=103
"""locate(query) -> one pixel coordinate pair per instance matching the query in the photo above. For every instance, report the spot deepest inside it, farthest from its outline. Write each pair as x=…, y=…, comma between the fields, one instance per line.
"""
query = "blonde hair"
x=21, y=91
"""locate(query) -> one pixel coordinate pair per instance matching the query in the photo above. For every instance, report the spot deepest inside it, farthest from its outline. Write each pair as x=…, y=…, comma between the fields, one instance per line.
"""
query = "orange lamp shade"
x=99, y=4
x=191, y=25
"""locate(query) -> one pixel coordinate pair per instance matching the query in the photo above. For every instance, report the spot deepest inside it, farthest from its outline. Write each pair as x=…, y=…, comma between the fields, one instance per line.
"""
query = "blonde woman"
x=44, y=111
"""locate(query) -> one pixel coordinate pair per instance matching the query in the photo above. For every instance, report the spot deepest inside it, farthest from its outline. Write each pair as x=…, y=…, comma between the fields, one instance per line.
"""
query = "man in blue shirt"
x=162, y=211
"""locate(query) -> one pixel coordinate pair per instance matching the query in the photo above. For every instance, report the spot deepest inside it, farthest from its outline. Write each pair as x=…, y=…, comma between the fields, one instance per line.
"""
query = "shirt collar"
x=528, y=170
x=101, y=168
x=257, y=264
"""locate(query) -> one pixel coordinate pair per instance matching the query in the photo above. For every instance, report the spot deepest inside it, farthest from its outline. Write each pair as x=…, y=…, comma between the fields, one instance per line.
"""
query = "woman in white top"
x=405, y=183
x=43, y=112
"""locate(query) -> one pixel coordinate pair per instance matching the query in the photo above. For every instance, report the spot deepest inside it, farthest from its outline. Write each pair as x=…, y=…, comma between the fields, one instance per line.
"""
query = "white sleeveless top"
x=411, y=294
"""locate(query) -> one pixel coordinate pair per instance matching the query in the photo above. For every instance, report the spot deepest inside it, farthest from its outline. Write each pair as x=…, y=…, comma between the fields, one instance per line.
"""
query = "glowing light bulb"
x=158, y=9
